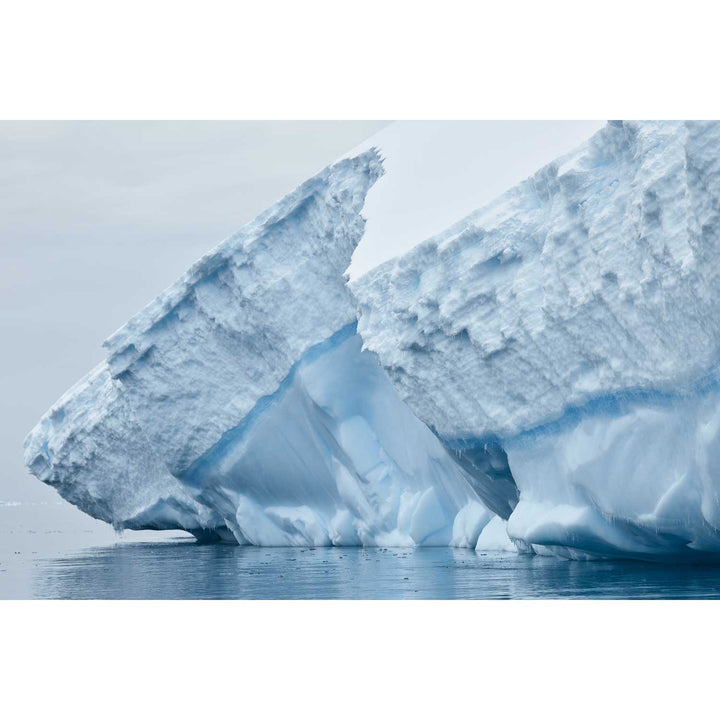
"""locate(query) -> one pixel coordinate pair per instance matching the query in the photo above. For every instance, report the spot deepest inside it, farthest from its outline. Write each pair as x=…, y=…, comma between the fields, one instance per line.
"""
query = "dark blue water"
x=53, y=551
x=186, y=570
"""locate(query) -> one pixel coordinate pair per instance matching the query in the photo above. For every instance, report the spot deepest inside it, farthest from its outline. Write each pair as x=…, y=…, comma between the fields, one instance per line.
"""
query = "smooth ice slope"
x=573, y=326
x=334, y=457
x=239, y=403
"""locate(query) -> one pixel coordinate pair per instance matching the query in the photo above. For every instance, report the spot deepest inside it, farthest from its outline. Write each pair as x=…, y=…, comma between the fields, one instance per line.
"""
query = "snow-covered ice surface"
x=240, y=406
x=564, y=343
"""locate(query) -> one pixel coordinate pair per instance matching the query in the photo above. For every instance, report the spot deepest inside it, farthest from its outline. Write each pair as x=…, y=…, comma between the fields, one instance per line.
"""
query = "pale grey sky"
x=96, y=218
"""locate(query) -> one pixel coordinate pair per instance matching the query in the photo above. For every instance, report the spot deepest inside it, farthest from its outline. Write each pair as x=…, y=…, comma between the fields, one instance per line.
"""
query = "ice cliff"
x=563, y=343
x=542, y=375
x=240, y=405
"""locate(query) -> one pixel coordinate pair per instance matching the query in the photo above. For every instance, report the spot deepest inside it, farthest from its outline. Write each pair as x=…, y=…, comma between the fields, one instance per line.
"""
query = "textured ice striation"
x=240, y=405
x=92, y=450
x=563, y=343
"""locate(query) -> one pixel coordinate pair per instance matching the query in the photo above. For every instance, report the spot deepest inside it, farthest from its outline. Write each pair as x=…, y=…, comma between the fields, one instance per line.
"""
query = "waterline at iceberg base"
x=540, y=378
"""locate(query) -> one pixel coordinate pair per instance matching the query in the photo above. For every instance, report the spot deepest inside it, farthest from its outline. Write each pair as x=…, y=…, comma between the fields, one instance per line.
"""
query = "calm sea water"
x=89, y=562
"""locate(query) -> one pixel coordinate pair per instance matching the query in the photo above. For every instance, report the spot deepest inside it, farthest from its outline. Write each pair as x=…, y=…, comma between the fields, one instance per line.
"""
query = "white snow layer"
x=239, y=404
x=573, y=327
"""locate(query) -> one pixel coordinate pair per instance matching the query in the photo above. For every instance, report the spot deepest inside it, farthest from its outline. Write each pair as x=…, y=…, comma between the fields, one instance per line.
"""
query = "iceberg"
x=542, y=377
x=240, y=406
x=564, y=342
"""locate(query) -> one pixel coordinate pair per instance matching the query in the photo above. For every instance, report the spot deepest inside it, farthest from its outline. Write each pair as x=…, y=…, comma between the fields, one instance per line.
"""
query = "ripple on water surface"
x=187, y=570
